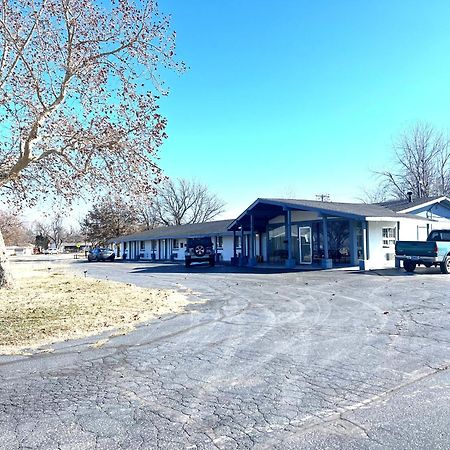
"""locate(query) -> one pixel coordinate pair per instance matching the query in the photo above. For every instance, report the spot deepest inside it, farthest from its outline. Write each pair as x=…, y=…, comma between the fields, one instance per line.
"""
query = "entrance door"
x=305, y=244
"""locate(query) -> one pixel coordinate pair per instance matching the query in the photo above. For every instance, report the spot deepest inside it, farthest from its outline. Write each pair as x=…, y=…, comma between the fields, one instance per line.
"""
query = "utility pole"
x=323, y=197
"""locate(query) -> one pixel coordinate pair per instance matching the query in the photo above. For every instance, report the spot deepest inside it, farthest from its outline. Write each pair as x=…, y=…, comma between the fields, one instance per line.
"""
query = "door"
x=305, y=245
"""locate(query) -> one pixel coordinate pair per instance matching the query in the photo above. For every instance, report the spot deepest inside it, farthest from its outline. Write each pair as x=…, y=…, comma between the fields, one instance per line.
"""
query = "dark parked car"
x=101, y=254
x=199, y=250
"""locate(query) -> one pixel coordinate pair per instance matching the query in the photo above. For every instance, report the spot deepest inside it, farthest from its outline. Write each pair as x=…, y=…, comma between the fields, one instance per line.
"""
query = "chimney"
x=409, y=194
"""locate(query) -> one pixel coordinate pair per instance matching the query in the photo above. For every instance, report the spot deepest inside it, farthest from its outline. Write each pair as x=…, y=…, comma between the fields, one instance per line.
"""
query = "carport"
x=305, y=232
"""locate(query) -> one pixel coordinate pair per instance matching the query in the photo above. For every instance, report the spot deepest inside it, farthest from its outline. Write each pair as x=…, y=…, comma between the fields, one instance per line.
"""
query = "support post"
x=327, y=263
x=252, y=259
x=353, y=244
x=363, y=263
x=242, y=261
x=397, y=237
x=290, y=262
x=234, y=258
x=215, y=249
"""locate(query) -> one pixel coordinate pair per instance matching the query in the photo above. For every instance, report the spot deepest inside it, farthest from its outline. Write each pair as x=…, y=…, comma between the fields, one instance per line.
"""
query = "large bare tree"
x=421, y=164
x=183, y=201
x=79, y=87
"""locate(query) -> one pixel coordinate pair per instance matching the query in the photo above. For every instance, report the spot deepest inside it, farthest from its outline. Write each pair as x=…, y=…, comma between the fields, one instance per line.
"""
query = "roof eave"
x=396, y=219
x=423, y=205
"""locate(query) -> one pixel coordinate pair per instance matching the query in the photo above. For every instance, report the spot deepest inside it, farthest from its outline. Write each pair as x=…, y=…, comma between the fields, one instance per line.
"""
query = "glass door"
x=305, y=245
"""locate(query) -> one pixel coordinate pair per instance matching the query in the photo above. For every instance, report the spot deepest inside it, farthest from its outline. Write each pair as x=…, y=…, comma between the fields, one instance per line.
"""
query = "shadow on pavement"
x=399, y=272
x=205, y=269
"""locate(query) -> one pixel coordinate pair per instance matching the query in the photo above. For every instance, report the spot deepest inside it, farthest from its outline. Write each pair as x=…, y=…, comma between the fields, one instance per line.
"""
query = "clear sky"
x=294, y=98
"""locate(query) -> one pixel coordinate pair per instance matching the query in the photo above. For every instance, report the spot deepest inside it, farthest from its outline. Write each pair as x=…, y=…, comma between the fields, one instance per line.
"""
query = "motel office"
x=300, y=232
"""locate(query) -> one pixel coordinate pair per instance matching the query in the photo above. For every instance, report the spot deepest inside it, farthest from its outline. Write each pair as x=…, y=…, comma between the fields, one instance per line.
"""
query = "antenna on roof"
x=323, y=197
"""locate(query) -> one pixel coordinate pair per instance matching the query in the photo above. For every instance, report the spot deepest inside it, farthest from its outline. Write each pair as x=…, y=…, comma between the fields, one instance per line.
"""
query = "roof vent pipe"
x=409, y=194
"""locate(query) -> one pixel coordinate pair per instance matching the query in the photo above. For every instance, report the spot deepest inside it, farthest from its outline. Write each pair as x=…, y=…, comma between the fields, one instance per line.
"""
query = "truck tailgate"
x=416, y=248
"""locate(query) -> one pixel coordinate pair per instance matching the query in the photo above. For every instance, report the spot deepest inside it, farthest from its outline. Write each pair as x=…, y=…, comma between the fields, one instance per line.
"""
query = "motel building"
x=300, y=233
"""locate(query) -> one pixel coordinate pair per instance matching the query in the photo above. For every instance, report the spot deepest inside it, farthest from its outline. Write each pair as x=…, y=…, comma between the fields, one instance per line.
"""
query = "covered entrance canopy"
x=307, y=231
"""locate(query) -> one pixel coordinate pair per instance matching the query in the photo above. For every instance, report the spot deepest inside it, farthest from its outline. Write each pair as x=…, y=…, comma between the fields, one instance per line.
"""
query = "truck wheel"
x=445, y=265
x=409, y=266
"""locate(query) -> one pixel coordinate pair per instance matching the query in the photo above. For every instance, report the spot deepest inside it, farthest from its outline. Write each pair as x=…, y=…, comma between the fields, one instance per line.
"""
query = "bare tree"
x=181, y=201
x=108, y=219
x=148, y=215
x=421, y=164
x=53, y=230
x=16, y=232
x=377, y=194
x=76, y=104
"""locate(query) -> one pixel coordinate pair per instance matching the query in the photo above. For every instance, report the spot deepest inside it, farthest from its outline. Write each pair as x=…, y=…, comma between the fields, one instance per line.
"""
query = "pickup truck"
x=435, y=251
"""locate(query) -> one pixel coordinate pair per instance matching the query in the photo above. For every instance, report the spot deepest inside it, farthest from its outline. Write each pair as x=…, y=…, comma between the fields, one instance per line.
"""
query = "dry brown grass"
x=44, y=308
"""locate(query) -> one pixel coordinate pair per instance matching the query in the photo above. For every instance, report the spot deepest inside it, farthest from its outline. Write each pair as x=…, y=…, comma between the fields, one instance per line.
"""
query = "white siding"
x=380, y=257
x=164, y=250
x=227, y=249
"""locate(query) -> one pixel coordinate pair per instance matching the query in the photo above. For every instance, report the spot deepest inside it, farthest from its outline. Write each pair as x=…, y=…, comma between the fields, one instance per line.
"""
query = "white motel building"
x=296, y=233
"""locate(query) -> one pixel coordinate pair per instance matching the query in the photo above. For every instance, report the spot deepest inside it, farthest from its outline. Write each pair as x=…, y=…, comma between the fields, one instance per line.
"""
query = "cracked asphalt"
x=268, y=360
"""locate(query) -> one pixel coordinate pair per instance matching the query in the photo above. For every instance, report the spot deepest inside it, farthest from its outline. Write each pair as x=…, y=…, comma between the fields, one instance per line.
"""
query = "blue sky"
x=294, y=98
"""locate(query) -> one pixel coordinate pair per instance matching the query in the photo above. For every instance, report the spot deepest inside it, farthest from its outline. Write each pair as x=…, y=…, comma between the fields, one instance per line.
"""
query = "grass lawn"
x=43, y=308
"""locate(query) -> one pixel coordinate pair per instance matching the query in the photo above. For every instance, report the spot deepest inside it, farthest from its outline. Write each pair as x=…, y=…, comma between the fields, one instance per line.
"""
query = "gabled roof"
x=262, y=208
x=404, y=205
x=216, y=228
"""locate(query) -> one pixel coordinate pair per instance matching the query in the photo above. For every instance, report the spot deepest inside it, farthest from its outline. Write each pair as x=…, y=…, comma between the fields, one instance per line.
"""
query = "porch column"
x=234, y=244
x=252, y=259
x=365, y=229
x=242, y=259
x=353, y=244
x=327, y=263
x=290, y=262
x=215, y=249
x=397, y=261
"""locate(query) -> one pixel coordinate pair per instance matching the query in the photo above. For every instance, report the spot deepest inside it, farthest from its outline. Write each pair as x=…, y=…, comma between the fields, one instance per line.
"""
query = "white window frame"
x=388, y=236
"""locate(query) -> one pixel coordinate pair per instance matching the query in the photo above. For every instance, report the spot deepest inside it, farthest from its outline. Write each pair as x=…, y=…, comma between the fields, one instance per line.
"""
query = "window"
x=125, y=245
x=389, y=237
x=176, y=243
x=237, y=241
x=142, y=245
x=153, y=245
x=443, y=235
x=220, y=242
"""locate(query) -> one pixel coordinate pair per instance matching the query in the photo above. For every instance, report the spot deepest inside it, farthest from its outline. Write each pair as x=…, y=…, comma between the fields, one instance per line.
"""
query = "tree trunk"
x=5, y=272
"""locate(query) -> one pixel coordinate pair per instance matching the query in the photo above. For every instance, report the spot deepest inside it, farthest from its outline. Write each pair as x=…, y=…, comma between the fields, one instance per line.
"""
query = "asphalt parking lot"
x=261, y=359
